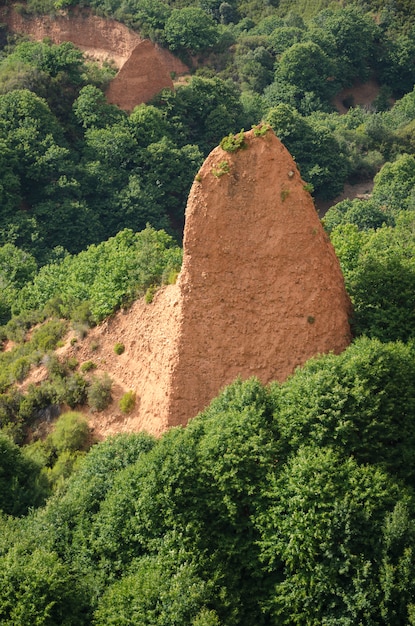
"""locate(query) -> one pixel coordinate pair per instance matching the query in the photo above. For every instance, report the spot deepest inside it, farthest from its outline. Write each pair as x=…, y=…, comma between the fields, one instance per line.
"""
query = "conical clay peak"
x=261, y=289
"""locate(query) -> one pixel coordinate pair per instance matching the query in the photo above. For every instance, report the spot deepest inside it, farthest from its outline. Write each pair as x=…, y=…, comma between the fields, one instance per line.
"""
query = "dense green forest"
x=290, y=503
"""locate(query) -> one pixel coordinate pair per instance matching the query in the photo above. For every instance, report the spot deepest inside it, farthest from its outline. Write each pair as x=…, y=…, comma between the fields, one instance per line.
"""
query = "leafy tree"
x=92, y=110
x=316, y=150
x=36, y=588
x=106, y=275
x=149, y=17
x=70, y=514
x=148, y=125
x=204, y=486
x=360, y=403
x=16, y=268
x=395, y=184
x=326, y=537
x=255, y=68
x=190, y=29
x=379, y=274
x=396, y=67
x=159, y=592
x=354, y=35
x=365, y=214
x=284, y=37
x=307, y=67
x=202, y=112
x=170, y=173
x=19, y=486
x=52, y=59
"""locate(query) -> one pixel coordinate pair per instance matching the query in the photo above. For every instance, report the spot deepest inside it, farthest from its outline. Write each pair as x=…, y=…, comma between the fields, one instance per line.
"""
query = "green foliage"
x=190, y=29
x=127, y=402
x=260, y=130
x=36, y=588
x=16, y=268
x=357, y=403
x=19, y=480
x=169, y=592
x=286, y=505
x=46, y=337
x=99, y=393
x=119, y=348
x=202, y=112
x=365, y=214
x=87, y=366
x=92, y=110
x=107, y=275
x=318, y=153
x=379, y=274
x=70, y=433
x=150, y=293
x=308, y=67
x=395, y=184
x=232, y=143
x=221, y=169
x=337, y=558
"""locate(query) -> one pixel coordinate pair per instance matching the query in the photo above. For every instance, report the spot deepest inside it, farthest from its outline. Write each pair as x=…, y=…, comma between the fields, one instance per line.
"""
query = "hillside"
x=260, y=292
x=144, y=69
x=207, y=395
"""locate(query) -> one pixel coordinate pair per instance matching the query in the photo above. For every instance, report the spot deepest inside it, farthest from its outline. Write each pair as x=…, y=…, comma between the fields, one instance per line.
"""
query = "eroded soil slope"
x=260, y=292
x=145, y=68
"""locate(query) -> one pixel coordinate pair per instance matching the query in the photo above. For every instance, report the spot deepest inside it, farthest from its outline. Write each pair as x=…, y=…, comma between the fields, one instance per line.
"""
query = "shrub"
x=149, y=297
x=71, y=433
x=232, y=143
x=119, y=348
x=127, y=402
x=87, y=366
x=170, y=277
x=47, y=336
x=260, y=129
x=20, y=368
x=38, y=402
x=221, y=169
x=99, y=393
x=55, y=367
x=72, y=363
x=75, y=391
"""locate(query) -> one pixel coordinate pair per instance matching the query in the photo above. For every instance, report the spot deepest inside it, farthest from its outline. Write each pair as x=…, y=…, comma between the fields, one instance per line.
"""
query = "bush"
x=127, y=402
x=71, y=432
x=20, y=369
x=75, y=390
x=119, y=348
x=18, y=479
x=99, y=393
x=232, y=143
x=87, y=366
x=149, y=296
x=47, y=336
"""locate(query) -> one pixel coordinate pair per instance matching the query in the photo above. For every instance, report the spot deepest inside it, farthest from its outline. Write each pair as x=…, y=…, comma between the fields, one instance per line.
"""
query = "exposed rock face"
x=260, y=292
x=145, y=68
